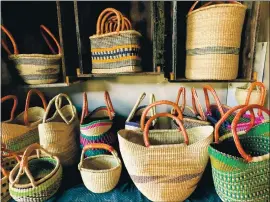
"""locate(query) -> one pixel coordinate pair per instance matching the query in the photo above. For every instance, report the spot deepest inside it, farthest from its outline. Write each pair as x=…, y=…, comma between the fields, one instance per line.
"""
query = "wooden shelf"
x=218, y=81
x=118, y=74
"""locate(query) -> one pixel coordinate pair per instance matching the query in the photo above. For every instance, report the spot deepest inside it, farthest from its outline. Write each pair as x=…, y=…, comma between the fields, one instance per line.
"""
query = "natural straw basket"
x=58, y=133
x=100, y=173
x=213, y=41
x=36, y=68
x=37, y=177
x=193, y=116
x=22, y=131
x=133, y=120
x=117, y=51
x=237, y=175
x=170, y=168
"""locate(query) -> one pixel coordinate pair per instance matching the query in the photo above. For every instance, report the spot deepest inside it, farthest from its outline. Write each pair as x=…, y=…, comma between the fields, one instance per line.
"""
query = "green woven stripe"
x=37, y=61
x=213, y=50
x=98, y=121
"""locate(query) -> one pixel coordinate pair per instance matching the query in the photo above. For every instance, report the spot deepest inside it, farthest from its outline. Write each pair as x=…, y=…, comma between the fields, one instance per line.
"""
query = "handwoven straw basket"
x=170, y=168
x=193, y=116
x=100, y=173
x=96, y=126
x=240, y=161
x=36, y=68
x=213, y=41
x=37, y=177
x=22, y=131
x=133, y=120
x=115, y=51
x=58, y=133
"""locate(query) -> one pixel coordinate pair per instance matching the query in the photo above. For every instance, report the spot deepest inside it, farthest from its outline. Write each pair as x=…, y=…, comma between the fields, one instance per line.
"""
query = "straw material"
x=100, y=173
x=58, y=133
x=36, y=178
x=215, y=53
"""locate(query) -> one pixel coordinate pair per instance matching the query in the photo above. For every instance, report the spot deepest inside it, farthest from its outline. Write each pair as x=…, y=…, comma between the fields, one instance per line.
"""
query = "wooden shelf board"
x=118, y=74
x=218, y=81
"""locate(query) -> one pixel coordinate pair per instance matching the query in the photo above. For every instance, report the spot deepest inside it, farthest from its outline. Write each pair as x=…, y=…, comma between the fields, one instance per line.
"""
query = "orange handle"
x=263, y=94
x=98, y=146
x=180, y=91
x=226, y=115
x=112, y=21
x=15, y=48
x=148, y=124
x=207, y=101
x=85, y=111
x=161, y=102
x=15, y=103
x=239, y=147
x=110, y=108
x=42, y=29
x=197, y=107
x=42, y=97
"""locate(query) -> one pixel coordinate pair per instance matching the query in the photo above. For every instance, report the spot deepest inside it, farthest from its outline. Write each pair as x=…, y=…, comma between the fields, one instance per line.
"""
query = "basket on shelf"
x=95, y=127
x=58, y=133
x=165, y=165
x=133, y=120
x=100, y=173
x=36, y=177
x=193, y=116
x=20, y=132
x=240, y=160
x=115, y=48
x=35, y=68
x=215, y=53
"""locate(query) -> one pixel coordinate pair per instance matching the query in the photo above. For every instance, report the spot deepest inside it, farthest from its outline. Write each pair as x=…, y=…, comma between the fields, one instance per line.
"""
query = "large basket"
x=100, y=173
x=238, y=176
x=133, y=120
x=213, y=41
x=193, y=116
x=95, y=127
x=20, y=132
x=117, y=51
x=170, y=168
x=58, y=133
x=36, y=68
x=37, y=177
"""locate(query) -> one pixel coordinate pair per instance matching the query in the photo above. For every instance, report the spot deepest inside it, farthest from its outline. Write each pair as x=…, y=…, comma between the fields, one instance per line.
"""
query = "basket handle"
x=85, y=111
x=11, y=38
x=263, y=94
x=7, y=154
x=209, y=3
x=226, y=115
x=109, y=105
x=45, y=29
x=138, y=102
x=127, y=24
x=197, y=107
x=99, y=146
x=148, y=123
x=207, y=101
x=15, y=103
x=161, y=102
x=239, y=147
x=27, y=103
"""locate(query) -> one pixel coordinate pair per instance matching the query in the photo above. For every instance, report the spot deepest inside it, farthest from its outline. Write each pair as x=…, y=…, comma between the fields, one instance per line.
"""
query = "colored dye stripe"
x=39, y=76
x=36, y=61
x=145, y=179
x=107, y=139
x=117, y=59
x=95, y=125
x=96, y=55
x=213, y=50
x=183, y=178
x=115, y=48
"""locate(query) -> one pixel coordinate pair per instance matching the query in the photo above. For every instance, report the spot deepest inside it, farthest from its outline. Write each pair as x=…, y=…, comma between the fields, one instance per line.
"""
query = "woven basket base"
x=127, y=69
x=34, y=82
x=5, y=199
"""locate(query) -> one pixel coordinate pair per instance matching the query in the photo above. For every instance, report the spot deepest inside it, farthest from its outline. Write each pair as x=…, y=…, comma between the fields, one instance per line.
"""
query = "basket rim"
x=115, y=33
x=119, y=165
x=34, y=56
x=216, y=6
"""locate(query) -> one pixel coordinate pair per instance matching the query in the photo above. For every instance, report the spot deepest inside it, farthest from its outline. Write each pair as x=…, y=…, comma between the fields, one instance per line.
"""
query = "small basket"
x=100, y=173
x=36, y=68
x=115, y=50
x=37, y=177
x=213, y=41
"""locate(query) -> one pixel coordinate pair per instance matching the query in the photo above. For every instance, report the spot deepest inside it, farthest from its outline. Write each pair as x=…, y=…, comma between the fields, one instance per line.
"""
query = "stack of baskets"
x=115, y=47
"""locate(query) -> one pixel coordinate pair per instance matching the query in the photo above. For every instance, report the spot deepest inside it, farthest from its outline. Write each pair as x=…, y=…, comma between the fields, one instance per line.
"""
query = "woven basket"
x=58, y=133
x=117, y=51
x=37, y=177
x=133, y=120
x=215, y=53
x=238, y=176
x=170, y=168
x=96, y=126
x=36, y=68
x=100, y=173
x=20, y=132
x=193, y=116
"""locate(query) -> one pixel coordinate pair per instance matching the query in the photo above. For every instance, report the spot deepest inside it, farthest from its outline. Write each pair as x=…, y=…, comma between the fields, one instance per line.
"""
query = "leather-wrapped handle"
x=15, y=103
x=180, y=91
x=11, y=38
x=197, y=107
x=85, y=111
x=45, y=29
x=109, y=105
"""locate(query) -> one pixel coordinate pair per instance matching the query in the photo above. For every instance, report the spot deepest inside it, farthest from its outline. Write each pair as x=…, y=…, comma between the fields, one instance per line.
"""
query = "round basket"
x=37, y=177
x=215, y=53
x=100, y=173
